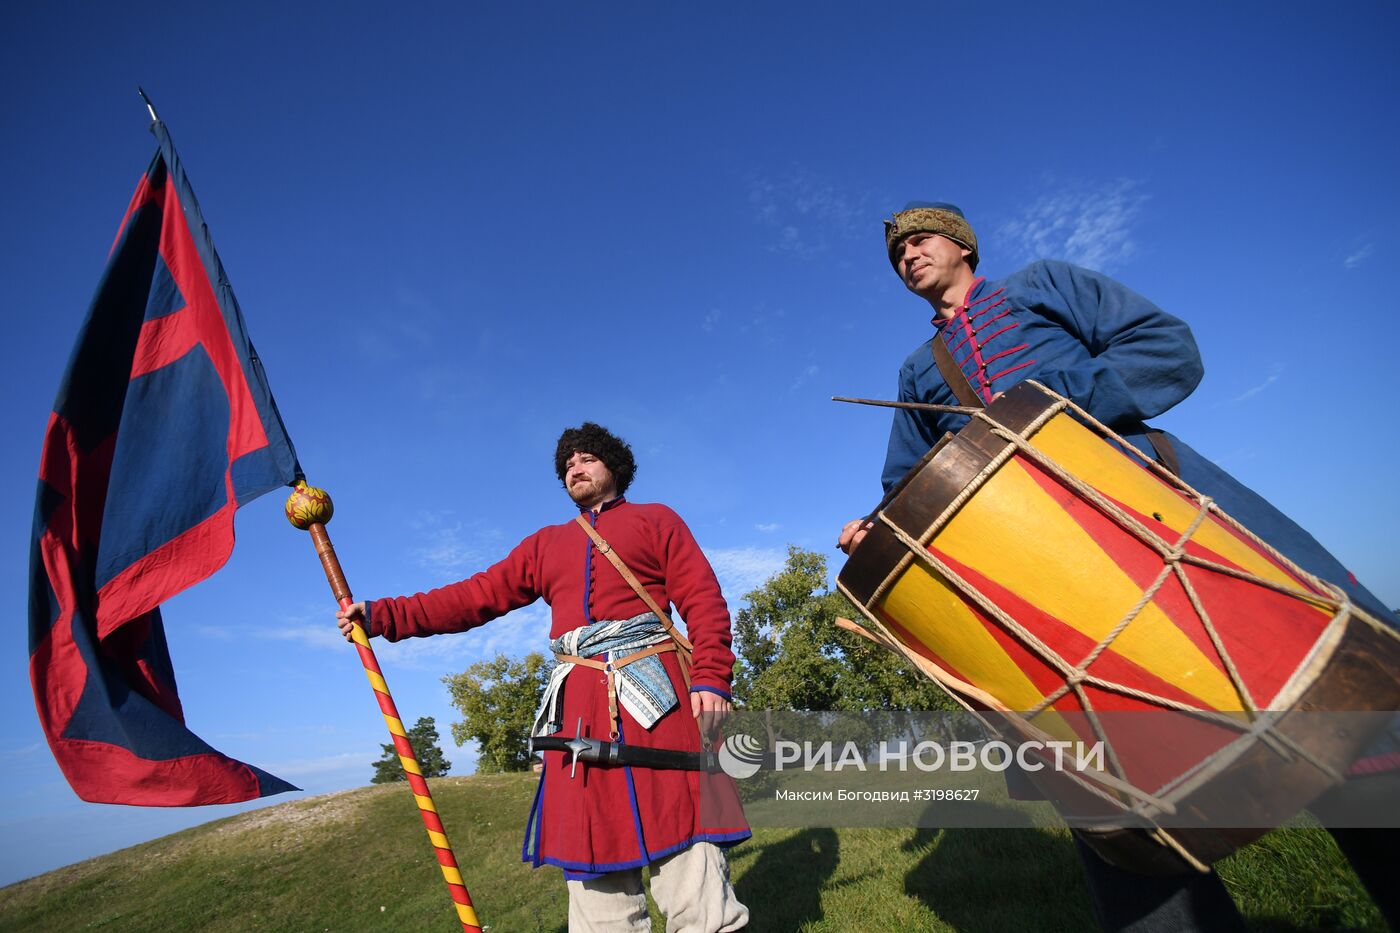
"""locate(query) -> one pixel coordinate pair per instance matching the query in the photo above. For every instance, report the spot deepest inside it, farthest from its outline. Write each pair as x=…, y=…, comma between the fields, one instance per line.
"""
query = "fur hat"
x=930, y=217
x=597, y=440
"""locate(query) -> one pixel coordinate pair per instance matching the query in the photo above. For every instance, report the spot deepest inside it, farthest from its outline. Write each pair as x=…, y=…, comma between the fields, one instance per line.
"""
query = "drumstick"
x=858, y=629
x=917, y=406
x=929, y=669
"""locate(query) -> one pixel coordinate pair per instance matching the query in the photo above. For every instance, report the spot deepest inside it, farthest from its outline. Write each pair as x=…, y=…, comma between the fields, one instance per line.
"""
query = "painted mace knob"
x=308, y=506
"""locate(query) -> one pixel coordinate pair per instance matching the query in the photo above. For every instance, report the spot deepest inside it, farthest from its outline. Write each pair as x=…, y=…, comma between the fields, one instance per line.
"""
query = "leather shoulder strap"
x=606, y=550
x=957, y=381
x=1166, y=453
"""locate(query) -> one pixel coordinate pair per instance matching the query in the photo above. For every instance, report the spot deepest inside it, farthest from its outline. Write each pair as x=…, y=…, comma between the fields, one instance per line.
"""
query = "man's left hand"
x=853, y=533
x=710, y=710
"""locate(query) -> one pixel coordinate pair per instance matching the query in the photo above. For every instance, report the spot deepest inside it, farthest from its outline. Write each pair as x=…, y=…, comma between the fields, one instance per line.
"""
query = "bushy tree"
x=424, y=736
x=497, y=700
x=793, y=656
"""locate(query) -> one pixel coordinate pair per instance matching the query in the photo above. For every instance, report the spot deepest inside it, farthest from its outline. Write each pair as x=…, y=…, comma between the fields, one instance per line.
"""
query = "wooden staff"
x=309, y=508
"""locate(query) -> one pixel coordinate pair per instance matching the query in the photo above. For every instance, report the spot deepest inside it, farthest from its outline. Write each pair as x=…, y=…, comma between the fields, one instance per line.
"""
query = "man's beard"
x=587, y=491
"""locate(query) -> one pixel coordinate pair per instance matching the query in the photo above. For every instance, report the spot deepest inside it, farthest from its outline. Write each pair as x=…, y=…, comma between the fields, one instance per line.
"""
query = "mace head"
x=308, y=506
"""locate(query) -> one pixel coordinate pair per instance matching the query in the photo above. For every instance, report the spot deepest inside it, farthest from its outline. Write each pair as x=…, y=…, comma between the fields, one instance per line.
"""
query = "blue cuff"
x=715, y=690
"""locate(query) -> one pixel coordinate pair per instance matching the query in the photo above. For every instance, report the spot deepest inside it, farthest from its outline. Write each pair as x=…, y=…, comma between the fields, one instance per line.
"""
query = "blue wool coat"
x=1113, y=352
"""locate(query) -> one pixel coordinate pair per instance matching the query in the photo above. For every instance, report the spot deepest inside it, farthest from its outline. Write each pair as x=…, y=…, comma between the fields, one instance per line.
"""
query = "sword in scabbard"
x=616, y=754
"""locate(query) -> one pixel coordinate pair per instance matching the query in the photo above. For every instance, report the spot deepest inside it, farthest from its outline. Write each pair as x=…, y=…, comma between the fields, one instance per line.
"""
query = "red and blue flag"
x=163, y=426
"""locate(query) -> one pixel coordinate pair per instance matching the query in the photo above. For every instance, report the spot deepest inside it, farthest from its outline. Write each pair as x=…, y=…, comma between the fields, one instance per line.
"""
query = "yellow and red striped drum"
x=1036, y=569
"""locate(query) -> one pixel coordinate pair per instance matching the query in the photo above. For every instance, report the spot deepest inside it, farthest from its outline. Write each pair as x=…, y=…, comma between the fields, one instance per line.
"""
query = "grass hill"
x=359, y=860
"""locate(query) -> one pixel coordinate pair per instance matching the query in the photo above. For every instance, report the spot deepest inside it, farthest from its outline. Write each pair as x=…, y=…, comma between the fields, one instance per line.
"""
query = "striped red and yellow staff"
x=309, y=508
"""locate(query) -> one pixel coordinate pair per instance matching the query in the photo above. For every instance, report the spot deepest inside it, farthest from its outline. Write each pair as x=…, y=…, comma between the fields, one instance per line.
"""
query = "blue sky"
x=458, y=228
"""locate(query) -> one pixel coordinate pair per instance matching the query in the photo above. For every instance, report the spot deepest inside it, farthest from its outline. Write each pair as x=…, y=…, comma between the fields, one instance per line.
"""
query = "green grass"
x=359, y=860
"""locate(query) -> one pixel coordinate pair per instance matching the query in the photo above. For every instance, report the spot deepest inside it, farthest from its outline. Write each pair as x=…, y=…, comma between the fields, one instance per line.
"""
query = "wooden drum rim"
x=930, y=487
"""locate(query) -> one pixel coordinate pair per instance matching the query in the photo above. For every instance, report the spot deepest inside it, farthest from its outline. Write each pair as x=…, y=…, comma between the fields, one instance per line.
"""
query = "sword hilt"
x=590, y=749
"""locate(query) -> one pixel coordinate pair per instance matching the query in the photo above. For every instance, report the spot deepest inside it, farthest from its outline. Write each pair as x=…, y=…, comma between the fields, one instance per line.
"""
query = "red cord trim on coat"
x=972, y=288
x=992, y=320
x=979, y=373
x=994, y=336
x=987, y=310
x=987, y=297
x=992, y=359
x=1013, y=369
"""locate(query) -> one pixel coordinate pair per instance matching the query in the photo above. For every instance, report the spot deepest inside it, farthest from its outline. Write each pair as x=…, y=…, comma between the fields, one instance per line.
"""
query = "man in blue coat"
x=1079, y=333
x=1124, y=360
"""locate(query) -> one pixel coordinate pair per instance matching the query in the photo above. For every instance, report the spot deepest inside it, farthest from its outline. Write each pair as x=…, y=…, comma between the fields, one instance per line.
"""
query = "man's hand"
x=347, y=617
x=853, y=533
x=710, y=711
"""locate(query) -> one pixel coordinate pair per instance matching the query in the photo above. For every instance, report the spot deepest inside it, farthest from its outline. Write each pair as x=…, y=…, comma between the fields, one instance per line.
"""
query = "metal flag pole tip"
x=308, y=509
x=150, y=107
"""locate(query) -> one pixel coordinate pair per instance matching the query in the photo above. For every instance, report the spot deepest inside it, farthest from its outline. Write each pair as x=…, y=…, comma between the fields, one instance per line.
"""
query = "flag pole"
x=150, y=107
x=309, y=508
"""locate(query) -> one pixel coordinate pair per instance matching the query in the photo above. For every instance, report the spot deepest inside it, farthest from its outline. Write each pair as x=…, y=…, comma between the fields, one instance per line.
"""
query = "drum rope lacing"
x=1173, y=556
x=883, y=636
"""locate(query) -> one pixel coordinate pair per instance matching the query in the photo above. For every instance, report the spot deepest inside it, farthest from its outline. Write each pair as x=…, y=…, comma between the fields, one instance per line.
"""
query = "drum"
x=1041, y=568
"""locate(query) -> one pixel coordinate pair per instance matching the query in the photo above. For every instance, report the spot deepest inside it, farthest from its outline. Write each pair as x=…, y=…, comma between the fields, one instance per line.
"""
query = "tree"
x=498, y=699
x=424, y=736
x=793, y=656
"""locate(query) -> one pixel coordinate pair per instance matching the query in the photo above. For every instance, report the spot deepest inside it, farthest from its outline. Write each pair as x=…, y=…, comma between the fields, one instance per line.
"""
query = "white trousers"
x=691, y=888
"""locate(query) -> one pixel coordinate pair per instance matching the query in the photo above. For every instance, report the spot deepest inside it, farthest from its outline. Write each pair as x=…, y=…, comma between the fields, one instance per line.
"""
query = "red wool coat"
x=605, y=819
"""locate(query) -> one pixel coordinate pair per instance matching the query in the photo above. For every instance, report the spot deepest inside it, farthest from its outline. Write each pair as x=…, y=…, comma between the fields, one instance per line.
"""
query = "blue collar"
x=610, y=504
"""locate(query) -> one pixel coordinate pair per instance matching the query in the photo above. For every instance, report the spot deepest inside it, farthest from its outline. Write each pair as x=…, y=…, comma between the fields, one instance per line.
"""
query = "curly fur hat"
x=597, y=440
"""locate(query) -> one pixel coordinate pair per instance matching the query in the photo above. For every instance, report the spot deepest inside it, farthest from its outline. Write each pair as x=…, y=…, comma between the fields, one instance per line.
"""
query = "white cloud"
x=414, y=326
x=332, y=773
x=25, y=751
x=1255, y=390
x=807, y=212
x=1360, y=256
x=319, y=634
x=764, y=323
x=741, y=570
x=322, y=765
x=216, y=632
x=1088, y=226
x=312, y=628
x=767, y=527
x=804, y=377
x=451, y=550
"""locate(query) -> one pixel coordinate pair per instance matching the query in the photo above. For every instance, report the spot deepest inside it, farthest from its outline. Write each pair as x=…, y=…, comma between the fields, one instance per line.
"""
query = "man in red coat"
x=599, y=823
